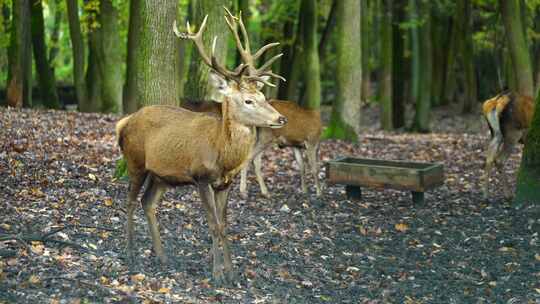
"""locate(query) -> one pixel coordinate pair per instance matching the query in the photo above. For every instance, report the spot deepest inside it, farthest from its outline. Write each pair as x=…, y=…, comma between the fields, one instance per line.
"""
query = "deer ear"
x=259, y=84
x=218, y=82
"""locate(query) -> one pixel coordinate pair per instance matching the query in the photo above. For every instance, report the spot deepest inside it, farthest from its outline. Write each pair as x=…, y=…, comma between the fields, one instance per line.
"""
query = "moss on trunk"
x=528, y=181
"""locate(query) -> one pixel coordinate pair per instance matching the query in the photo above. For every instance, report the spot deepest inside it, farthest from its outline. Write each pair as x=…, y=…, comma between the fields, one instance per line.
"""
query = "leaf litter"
x=62, y=227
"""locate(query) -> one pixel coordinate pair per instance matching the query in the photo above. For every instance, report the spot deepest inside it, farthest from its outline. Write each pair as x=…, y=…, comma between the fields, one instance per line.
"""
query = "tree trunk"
x=517, y=44
x=93, y=74
x=398, y=66
x=197, y=87
x=423, y=104
x=366, y=77
x=77, y=45
x=385, y=93
x=312, y=95
x=110, y=58
x=440, y=43
x=296, y=70
x=54, y=48
x=19, y=83
x=528, y=181
x=345, y=117
x=415, y=51
x=450, y=74
x=467, y=56
x=330, y=23
x=47, y=82
x=285, y=67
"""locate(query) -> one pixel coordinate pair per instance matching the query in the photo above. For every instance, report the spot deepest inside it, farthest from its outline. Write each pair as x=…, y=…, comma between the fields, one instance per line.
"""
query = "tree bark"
x=77, y=45
x=54, y=48
x=467, y=56
x=295, y=70
x=110, y=58
x=46, y=79
x=366, y=76
x=385, y=93
x=196, y=87
x=517, y=44
x=528, y=181
x=345, y=117
x=312, y=95
x=415, y=51
x=423, y=103
x=93, y=74
x=19, y=83
x=285, y=67
x=398, y=66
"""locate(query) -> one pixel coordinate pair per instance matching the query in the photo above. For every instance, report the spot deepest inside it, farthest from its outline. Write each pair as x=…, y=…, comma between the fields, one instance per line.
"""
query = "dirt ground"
x=62, y=236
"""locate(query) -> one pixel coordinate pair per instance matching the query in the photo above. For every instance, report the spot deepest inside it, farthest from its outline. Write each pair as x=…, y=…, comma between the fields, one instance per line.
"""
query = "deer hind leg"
x=311, y=151
x=300, y=160
x=221, y=206
x=135, y=184
x=152, y=195
x=257, y=162
x=243, y=181
x=511, y=139
x=207, y=197
x=494, y=148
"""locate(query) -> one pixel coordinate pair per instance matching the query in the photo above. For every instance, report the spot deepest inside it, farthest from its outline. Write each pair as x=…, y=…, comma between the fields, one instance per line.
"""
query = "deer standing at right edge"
x=508, y=116
x=169, y=146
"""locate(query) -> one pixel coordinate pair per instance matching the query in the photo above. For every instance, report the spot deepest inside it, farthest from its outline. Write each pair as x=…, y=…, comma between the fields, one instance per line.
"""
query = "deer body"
x=302, y=132
x=508, y=116
x=169, y=146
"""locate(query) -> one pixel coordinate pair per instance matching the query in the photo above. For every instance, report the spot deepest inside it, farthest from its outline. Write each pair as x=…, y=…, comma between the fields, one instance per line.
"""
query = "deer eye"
x=248, y=101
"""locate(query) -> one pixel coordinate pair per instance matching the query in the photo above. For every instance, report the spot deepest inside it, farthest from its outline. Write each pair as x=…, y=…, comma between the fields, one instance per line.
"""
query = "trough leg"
x=418, y=197
x=353, y=192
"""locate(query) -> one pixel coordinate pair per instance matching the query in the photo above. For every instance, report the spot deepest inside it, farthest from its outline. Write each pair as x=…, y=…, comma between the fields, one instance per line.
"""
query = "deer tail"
x=119, y=127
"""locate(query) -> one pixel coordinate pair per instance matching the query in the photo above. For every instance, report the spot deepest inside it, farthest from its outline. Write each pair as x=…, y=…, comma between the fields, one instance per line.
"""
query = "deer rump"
x=512, y=111
x=174, y=154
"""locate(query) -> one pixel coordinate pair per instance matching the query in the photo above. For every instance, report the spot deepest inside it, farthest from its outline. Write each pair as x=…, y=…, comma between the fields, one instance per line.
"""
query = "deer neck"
x=235, y=140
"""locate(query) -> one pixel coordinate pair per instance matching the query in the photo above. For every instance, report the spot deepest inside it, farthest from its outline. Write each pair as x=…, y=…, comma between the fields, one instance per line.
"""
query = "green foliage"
x=120, y=172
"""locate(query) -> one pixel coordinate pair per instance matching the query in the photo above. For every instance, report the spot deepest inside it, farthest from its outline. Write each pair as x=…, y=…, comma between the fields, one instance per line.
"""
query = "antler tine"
x=211, y=60
x=244, y=33
x=268, y=63
x=261, y=79
x=264, y=49
x=271, y=74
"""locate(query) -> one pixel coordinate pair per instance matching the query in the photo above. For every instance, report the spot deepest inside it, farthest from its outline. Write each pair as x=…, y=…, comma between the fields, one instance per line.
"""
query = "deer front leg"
x=207, y=197
x=257, y=162
x=151, y=197
x=221, y=205
x=311, y=151
x=300, y=161
x=136, y=182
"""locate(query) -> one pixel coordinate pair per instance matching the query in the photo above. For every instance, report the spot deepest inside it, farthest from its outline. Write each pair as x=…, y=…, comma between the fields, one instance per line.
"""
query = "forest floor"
x=62, y=237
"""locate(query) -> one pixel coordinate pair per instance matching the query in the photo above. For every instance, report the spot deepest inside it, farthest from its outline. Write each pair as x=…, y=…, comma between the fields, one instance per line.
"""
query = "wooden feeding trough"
x=384, y=174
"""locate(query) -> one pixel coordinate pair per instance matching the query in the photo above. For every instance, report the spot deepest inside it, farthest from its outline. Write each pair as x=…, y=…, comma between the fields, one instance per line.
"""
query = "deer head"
x=239, y=89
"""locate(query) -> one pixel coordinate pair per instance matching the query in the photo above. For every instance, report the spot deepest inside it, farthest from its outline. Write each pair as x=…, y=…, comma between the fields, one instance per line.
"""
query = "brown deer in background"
x=302, y=131
x=170, y=146
x=508, y=116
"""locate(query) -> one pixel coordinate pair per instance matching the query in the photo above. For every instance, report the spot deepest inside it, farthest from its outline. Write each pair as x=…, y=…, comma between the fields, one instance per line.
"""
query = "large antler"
x=248, y=58
x=211, y=60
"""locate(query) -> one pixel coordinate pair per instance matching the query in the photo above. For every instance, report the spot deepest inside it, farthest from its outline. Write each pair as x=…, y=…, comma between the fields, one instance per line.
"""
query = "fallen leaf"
x=401, y=227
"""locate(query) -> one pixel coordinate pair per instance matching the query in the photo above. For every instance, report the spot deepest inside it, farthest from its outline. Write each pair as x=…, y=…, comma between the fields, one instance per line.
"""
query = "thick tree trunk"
x=109, y=58
x=385, y=88
x=398, y=66
x=450, y=73
x=295, y=72
x=528, y=181
x=19, y=83
x=196, y=86
x=423, y=103
x=517, y=44
x=47, y=82
x=467, y=56
x=93, y=74
x=415, y=52
x=77, y=45
x=345, y=117
x=311, y=72
x=366, y=76
x=440, y=40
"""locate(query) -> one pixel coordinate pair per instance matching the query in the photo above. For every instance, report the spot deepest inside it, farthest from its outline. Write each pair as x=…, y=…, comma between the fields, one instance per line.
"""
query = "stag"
x=166, y=146
x=508, y=116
